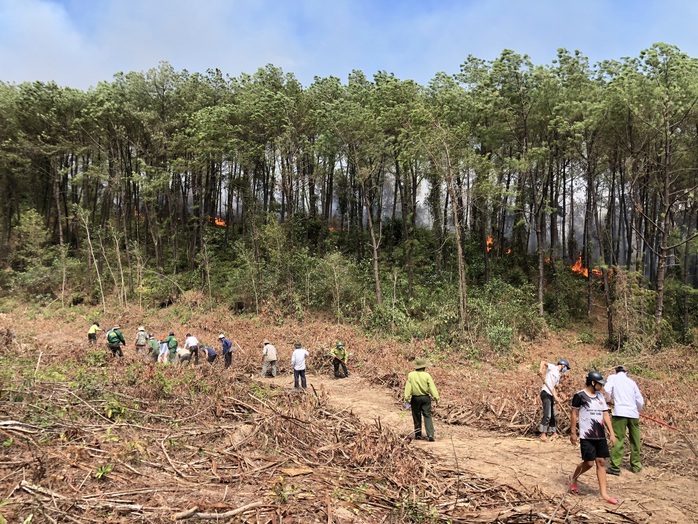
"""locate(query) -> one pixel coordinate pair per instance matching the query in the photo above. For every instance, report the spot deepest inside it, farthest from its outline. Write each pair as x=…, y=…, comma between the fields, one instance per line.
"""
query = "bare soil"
x=485, y=424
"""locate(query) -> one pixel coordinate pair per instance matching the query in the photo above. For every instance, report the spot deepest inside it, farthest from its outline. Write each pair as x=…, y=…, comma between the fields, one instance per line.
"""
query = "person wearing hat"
x=298, y=364
x=141, y=340
x=548, y=395
x=340, y=359
x=627, y=405
x=115, y=339
x=268, y=358
x=590, y=412
x=153, y=348
x=191, y=343
x=171, y=342
x=92, y=333
x=227, y=350
x=419, y=390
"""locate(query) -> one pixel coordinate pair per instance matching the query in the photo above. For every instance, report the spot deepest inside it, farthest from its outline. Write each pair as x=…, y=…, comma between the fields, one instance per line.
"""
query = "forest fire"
x=490, y=243
x=220, y=222
x=579, y=268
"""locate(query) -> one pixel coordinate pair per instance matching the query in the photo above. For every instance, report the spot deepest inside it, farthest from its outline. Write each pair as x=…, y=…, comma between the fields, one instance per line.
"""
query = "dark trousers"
x=194, y=351
x=421, y=405
x=92, y=339
x=212, y=358
x=228, y=359
x=299, y=373
x=547, y=423
x=336, y=363
x=116, y=351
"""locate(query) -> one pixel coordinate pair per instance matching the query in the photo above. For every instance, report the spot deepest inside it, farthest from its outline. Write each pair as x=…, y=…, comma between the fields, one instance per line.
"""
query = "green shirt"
x=340, y=353
x=420, y=383
x=154, y=348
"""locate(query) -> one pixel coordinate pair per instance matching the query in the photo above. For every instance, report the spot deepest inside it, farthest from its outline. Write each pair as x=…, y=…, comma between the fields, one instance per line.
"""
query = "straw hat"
x=420, y=363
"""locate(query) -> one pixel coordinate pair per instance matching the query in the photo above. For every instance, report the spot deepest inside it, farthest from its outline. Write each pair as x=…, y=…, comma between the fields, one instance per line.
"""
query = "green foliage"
x=103, y=471
x=564, y=300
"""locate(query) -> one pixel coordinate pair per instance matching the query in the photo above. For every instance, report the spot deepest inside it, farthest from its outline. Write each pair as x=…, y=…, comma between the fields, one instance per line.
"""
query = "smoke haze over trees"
x=427, y=209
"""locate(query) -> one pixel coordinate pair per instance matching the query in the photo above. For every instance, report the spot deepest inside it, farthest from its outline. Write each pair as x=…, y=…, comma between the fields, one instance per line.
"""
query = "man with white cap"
x=268, y=358
x=227, y=350
x=141, y=340
x=628, y=402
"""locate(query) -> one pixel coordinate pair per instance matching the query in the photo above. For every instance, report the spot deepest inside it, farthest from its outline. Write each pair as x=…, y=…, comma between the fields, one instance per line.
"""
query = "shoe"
x=574, y=489
x=611, y=500
x=611, y=471
x=417, y=437
x=638, y=470
x=431, y=439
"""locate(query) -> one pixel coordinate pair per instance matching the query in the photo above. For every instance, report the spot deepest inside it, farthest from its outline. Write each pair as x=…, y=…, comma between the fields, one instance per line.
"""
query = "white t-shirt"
x=191, y=341
x=591, y=410
x=269, y=353
x=627, y=399
x=552, y=378
x=298, y=358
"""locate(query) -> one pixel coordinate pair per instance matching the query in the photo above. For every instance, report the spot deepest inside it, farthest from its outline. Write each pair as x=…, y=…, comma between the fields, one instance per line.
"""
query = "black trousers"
x=228, y=359
x=336, y=363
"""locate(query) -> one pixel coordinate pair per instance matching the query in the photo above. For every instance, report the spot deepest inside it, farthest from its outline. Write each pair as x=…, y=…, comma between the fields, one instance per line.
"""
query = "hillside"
x=87, y=439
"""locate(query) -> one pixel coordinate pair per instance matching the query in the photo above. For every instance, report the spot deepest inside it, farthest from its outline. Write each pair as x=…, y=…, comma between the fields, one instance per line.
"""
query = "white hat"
x=221, y=335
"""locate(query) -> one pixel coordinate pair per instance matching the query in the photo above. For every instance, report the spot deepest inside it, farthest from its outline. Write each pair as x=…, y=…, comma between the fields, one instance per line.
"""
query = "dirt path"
x=653, y=495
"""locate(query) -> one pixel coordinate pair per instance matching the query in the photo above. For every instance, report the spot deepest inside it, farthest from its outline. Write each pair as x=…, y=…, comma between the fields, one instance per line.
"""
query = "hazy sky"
x=78, y=43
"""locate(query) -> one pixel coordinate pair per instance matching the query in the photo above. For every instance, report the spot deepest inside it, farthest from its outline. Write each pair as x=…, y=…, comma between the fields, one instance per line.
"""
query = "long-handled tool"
x=659, y=422
x=683, y=435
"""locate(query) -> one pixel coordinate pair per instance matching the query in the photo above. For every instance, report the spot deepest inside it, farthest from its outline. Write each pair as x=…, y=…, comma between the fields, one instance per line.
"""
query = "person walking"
x=628, y=402
x=268, y=358
x=590, y=412
x=227, y=350
x=171, y=342
x=210, y=354
x=340, y=359
x=141, y=340
x=163, y=356
x=419, y=390
x=192, y=344
x=153, y=348
x=548, y=395
x=92, y=333
x=115, y=339
x=298, y=364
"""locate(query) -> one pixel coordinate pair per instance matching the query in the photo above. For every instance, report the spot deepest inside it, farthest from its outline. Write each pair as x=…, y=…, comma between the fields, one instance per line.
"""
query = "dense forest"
x=489, y=205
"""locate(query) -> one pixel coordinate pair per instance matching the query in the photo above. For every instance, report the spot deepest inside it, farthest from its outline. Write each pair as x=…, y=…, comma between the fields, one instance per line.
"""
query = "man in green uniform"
x=419, y=391
x=153, y=348
x=171, y=342
x=115, y=340
x=340, y=359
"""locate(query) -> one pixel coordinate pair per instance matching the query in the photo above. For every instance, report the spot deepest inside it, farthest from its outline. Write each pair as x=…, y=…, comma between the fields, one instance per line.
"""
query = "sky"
x=79, y=43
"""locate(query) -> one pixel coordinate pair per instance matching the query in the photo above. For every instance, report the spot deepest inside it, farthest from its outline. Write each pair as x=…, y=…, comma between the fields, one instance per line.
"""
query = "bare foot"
x=543, y=437
x=610, y=500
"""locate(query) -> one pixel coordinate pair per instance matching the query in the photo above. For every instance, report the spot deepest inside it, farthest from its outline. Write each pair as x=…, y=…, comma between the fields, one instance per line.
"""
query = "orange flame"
x=490, y=242
x=220, y=222
x=508, y=251
x=579, y=268
x=597, y=272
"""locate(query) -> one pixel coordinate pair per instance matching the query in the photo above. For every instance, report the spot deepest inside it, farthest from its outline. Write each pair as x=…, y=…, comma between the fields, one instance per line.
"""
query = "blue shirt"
x=209, y=351
x=227, y=346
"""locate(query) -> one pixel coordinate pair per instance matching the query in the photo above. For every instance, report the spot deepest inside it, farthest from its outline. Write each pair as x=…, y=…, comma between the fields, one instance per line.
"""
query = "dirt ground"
x=662, y=492
x=653, y=495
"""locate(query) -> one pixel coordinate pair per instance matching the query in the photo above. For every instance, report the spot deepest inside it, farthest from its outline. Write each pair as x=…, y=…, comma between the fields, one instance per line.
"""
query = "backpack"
x=141, y=338
x=112, y=337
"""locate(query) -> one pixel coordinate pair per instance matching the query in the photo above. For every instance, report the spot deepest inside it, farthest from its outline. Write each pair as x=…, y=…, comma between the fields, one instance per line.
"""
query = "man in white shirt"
x=192, y=344
x=627, y=405
x=298, y=364
x=548, y=395
x=268, y=358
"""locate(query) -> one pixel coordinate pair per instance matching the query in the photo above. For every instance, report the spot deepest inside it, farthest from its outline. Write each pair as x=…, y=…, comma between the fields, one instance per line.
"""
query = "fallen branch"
x=194, y=512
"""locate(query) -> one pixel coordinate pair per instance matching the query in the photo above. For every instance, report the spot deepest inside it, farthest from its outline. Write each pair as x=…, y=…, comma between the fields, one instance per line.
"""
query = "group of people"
x=590, y=420
x=165, y=350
